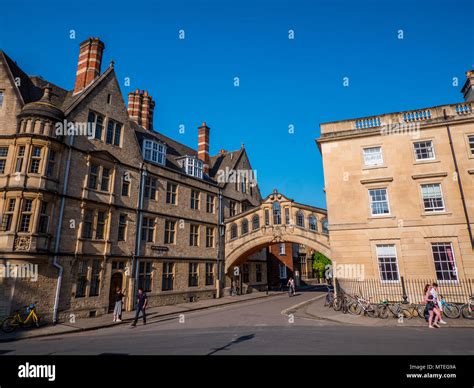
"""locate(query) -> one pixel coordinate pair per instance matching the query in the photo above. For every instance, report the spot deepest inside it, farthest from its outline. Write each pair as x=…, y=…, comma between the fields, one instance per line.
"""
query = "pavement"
x=315, y=309
x=257, y=326
x=105, y=321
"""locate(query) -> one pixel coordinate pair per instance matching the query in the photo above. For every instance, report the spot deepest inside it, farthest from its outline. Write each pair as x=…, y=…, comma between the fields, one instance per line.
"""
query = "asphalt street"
x=256, y=327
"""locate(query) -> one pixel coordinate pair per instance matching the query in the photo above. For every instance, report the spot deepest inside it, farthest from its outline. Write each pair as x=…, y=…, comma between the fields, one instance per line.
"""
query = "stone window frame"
x=433, y=149
x=99, y=177
x=94, y=124
x=195, y=199
x=3, y=157
x=432, y=210
x=168, y=276
x=154, y=152
x=172, y=195
x=194, y=234
x=210, y=274
x=210, y=203
x=145, y=275
x=387, y=200
x=122, y=227
x=170, y=232
x=210, y=237
x=148, y=229
x=373, y=165
x=36, y=161
x=313, y=220
x=386, y=256
x=95, y=223
x=8, y=213
x=193, y=274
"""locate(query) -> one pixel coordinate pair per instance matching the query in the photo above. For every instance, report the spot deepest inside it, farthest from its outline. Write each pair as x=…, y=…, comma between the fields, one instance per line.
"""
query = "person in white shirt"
x=437, y=306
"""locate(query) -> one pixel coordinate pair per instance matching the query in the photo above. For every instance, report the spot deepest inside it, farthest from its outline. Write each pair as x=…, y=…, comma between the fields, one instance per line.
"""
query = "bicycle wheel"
x=405, y=313
x=451, y=311
x=337, y=305
x=383, y=311
x=10, y=324
x=467, y=311
x=372, y=311
x=420, y=311
x=355, y=309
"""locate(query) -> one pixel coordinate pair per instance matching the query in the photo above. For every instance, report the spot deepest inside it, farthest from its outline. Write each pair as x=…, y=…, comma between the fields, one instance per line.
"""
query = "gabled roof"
x=176, y=150
x=31, y=88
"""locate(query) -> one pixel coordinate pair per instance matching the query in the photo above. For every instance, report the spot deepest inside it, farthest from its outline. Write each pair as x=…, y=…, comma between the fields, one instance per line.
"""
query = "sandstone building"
x=98, y=199
x=400, y=191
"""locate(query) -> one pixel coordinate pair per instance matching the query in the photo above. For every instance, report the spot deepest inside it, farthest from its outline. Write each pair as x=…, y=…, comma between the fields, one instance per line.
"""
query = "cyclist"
x=291, y=285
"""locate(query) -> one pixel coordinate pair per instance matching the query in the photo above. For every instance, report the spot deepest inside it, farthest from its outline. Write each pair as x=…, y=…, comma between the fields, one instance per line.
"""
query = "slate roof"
x=31, y=89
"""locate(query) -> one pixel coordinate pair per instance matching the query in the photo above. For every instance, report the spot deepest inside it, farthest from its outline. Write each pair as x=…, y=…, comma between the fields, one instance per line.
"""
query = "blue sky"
x=283, y=82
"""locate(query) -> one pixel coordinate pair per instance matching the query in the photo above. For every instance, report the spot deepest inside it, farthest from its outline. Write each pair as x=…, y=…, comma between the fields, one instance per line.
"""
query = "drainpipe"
x=58, y=232
x=220, y=247
x=461, y=191
x=138, y=234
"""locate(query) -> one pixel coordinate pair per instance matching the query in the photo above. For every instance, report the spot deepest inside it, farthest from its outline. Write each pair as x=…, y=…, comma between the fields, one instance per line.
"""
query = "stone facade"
x=98, y=199
x=400, y=191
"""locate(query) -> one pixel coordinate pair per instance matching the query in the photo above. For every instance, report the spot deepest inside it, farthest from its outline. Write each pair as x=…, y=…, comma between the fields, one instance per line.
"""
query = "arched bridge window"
x=233, y=231
x=324, y=224
x=276, y=213
x=255, y=222
x=313, y=225
x=300, y=219
x=245, y=226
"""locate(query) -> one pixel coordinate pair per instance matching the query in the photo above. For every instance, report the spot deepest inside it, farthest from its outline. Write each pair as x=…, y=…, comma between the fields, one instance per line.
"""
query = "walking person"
x=437, y=306
x=119, y=295
x=142, y=302
x=291, y=285
x=429, y=308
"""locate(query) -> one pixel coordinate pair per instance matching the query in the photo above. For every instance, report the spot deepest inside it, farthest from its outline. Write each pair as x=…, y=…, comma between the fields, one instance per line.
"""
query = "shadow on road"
x=236, y=341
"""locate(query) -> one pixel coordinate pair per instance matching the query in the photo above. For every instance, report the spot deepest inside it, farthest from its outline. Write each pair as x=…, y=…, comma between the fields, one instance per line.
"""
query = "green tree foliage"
x=319, y=264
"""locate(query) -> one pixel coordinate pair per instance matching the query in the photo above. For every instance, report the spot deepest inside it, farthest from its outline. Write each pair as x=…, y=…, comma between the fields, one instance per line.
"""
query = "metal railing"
x=406, y=290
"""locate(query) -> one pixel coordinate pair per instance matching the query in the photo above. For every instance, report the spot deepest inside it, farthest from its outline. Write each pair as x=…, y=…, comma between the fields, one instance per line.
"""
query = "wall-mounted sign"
x=159, y=248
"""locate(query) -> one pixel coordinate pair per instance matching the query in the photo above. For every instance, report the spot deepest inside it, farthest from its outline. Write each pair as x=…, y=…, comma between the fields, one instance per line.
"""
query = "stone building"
x=400, y=191
x=96, y=199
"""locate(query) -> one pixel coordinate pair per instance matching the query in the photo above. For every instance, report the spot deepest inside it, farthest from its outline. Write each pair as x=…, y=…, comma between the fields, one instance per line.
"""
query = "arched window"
x=313, y=225
x=300, y=219
x=276, y=213
x=245, y=226
x=233, y=231
x=324, y=224
x=255, y=222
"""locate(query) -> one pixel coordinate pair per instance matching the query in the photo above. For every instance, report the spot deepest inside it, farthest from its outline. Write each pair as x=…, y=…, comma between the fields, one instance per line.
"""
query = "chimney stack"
x=140, y=108
x=468, y=88
x=88, y=65
x=203, y=145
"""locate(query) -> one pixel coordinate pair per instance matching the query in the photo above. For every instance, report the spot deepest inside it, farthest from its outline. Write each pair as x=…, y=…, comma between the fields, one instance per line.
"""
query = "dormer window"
x=154, y=152
x=194, y=167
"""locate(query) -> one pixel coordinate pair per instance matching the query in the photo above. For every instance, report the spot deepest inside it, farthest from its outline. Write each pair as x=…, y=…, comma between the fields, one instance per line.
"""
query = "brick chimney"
x=468, y=88
x=140, y=108
x=88, y=65
x=203, y=145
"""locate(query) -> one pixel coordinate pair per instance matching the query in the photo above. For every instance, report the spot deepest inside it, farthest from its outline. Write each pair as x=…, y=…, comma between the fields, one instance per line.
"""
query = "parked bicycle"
x=364, y=306
x=16, y=320
x=467, y=310
x=329, y=297
x=342, y=302
x=398, y=310
x=450, y=310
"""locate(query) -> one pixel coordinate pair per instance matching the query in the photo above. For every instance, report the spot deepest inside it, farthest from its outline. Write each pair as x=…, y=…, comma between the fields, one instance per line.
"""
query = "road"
x=256, y=327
